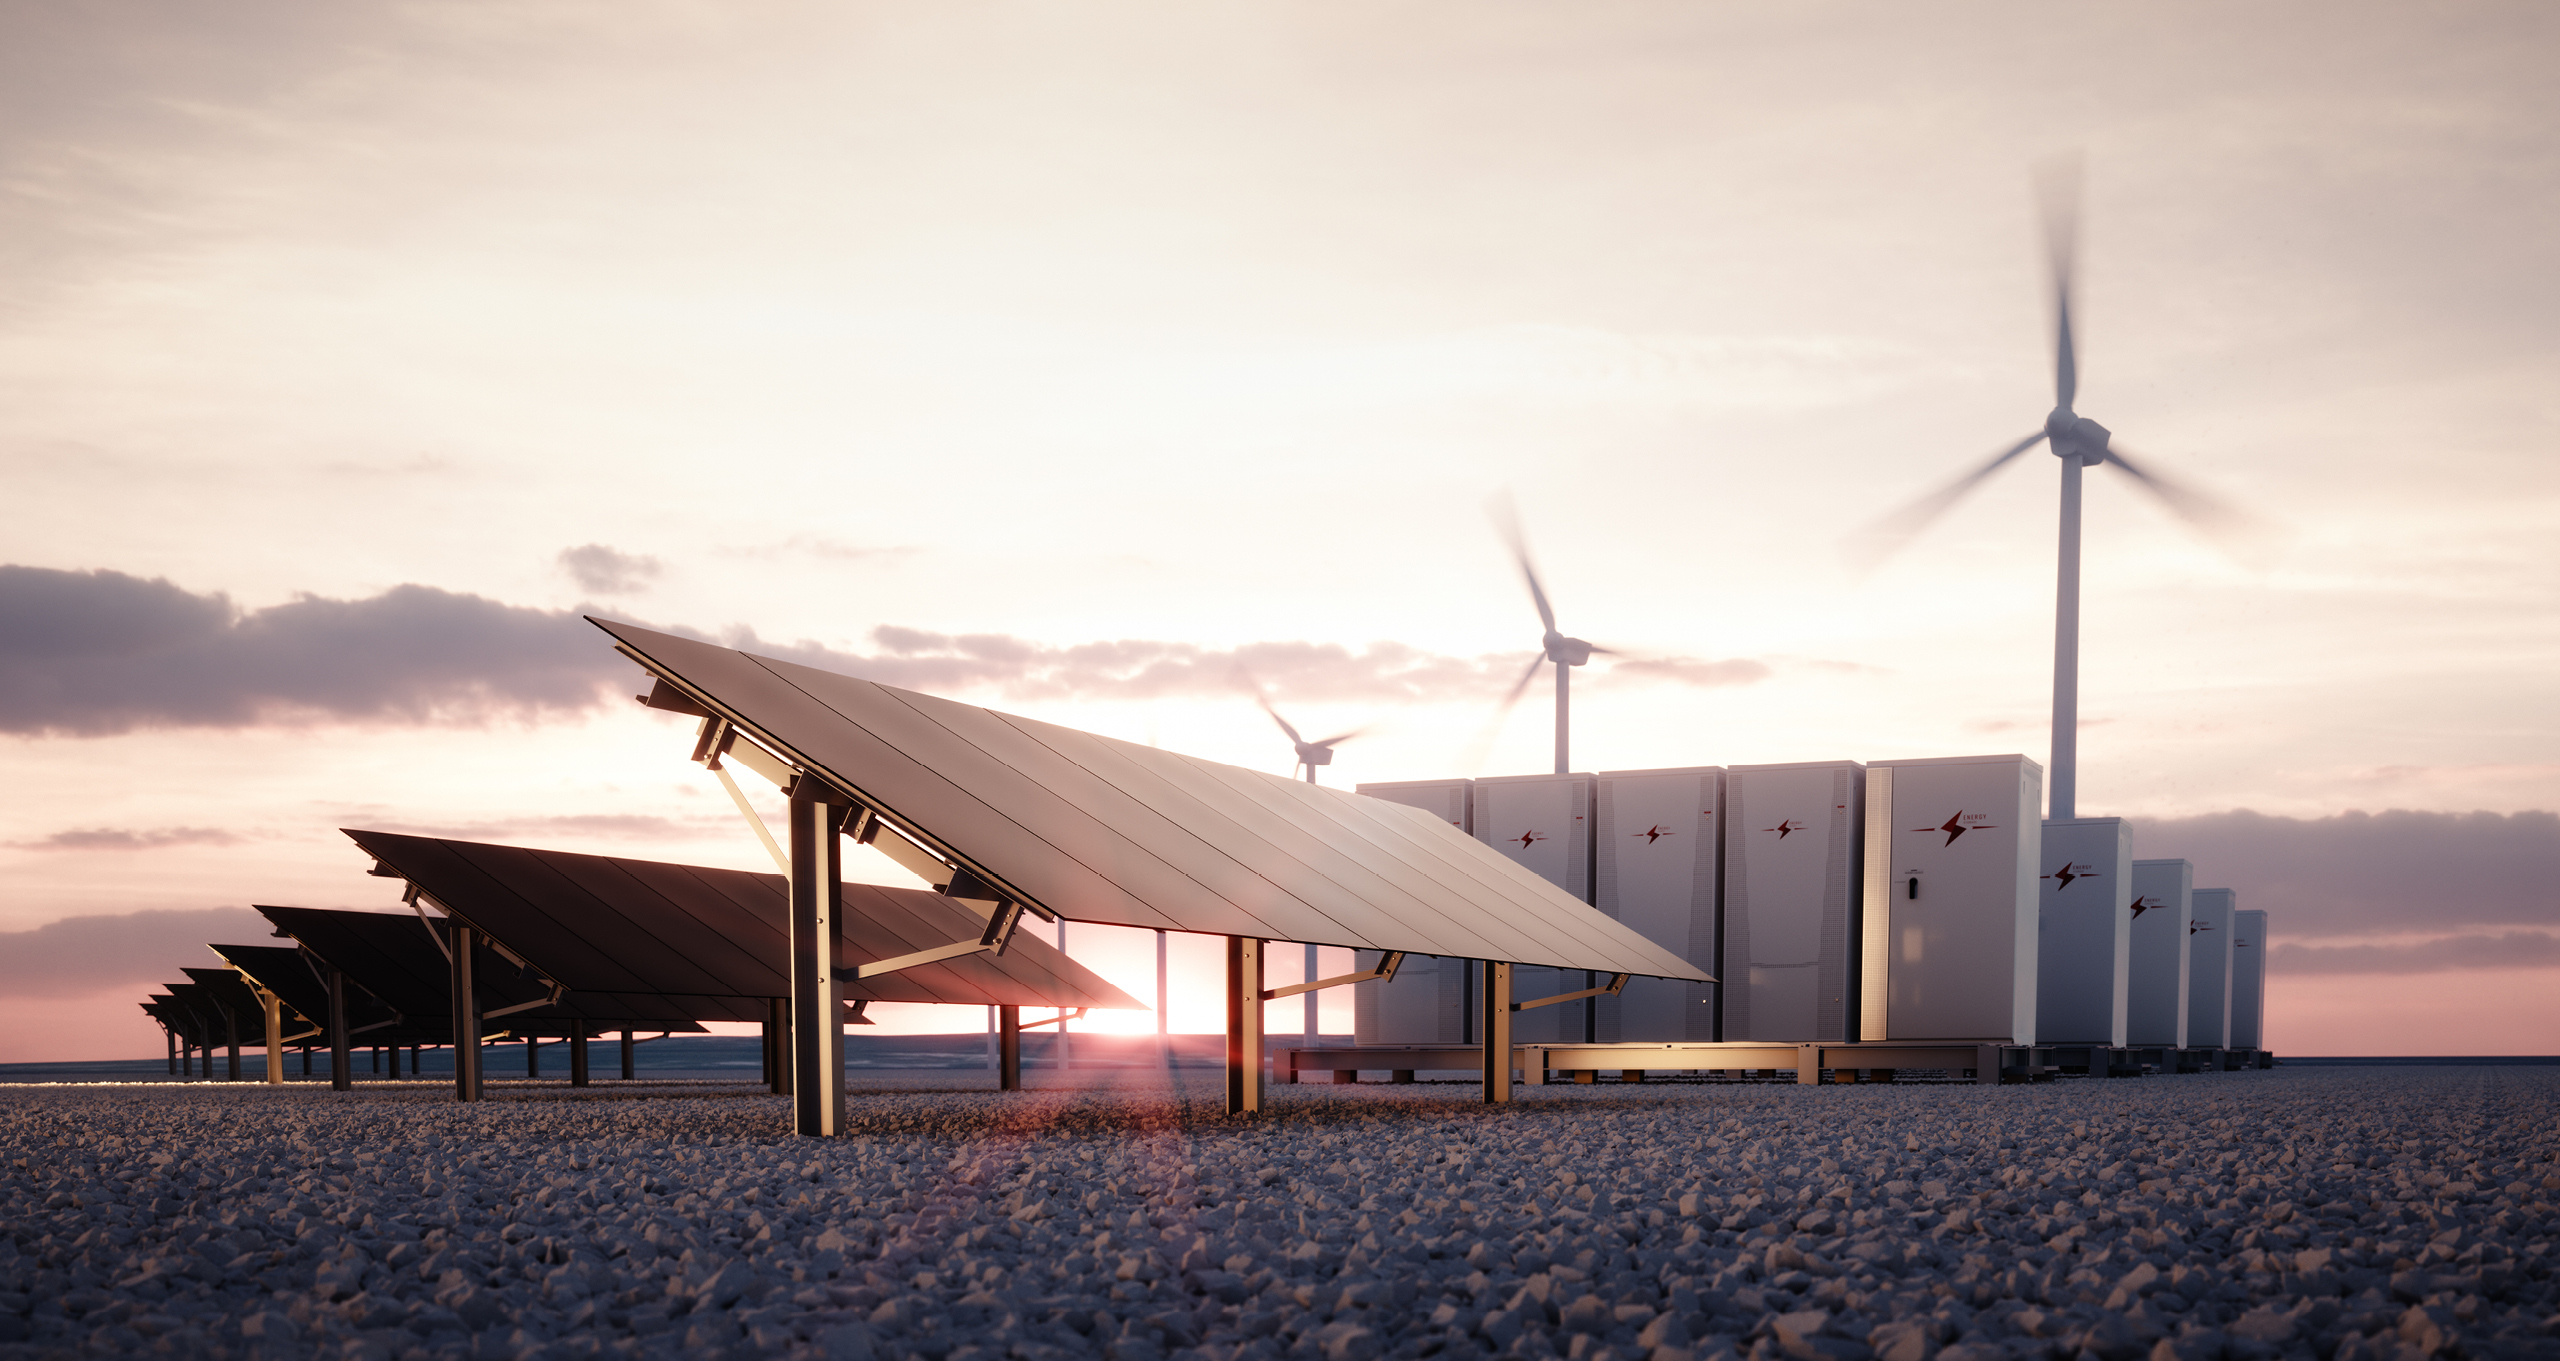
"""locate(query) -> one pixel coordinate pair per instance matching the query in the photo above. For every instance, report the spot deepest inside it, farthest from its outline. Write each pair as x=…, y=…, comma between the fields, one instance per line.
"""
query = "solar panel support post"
x=533, y=1056
x=466, y=1015
x=629, y=1067
x=231, y=1041
x=816, y=1031
x=1495, y=1025
x=577, y=1053
x=1310, y=1023
x=1008, y=1049
x=172, y=1037
x=341, y=1073
x=1244, y=1025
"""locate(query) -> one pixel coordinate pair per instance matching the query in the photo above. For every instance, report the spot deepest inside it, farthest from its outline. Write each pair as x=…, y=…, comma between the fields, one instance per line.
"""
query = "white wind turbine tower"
x=1566, y=653
x=2080, y=443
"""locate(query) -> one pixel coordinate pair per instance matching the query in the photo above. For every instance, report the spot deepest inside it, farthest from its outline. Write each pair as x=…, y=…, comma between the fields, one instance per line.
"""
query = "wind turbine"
x=2080, y=443
x=1566, y=653
x=1310, y=754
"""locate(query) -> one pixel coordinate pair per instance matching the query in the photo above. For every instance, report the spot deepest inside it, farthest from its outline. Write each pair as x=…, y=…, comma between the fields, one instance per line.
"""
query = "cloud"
x=118, y=839
x=92, y=654
x=1691, y=671
x=608, y=571
x=2357, y=876
x=2507, y=950
x=79, y=956
x=1024, y=669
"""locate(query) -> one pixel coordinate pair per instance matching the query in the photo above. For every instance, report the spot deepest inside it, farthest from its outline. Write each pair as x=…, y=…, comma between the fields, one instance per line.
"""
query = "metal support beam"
x=1608, y=989
x=817, y=998
x=1388, y=963
x=341, y=1074
x=172, y=1037
x=466, y=1015
x=1008, y=1049
x=1244, y=1025
x=1164, y=1023
x=533, y=1056
x=231, y=1041
x=629, y=1066
x=577, y=1053
x=1495, y=1025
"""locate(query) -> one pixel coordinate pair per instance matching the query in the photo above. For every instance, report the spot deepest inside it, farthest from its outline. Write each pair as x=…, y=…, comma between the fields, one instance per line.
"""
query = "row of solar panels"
x=568, y=943
x=985, y=806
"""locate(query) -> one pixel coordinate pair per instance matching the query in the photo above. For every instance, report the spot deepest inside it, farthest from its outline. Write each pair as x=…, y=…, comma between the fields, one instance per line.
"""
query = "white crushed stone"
x=2332, y=1213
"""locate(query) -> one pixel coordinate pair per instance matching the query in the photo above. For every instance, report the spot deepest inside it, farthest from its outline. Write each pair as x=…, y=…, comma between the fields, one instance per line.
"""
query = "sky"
x=1077, y=360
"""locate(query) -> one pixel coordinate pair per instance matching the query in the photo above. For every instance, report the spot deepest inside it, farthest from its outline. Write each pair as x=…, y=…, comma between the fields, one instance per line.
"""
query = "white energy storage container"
x=2084, y=931
x=1949, y=919
x=2248, y=979
x=1659, y=854
x=2156, y=964
x=1543, y=823
x=2209, y=968
x=1428, y=1001
x=1792, y=852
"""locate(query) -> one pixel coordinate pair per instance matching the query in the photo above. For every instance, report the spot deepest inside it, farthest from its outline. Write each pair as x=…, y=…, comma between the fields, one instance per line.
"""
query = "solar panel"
x=287, y=972
x=604, y=924
x=399, y=960
x=224, y=988
x=1095, y=829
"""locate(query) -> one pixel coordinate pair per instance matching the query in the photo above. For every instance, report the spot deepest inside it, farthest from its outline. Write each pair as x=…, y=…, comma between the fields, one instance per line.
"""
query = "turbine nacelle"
x=1569, y=651
x=1315, y=753
x=2073, y=434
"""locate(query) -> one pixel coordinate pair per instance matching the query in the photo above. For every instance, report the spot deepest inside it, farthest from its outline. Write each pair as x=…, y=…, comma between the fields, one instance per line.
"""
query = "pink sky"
x=1059, y=358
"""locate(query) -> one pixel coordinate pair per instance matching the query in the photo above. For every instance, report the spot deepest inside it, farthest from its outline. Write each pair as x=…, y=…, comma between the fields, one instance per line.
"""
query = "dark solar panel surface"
x=609, y=925
x=1101, y=830
x=396, y=957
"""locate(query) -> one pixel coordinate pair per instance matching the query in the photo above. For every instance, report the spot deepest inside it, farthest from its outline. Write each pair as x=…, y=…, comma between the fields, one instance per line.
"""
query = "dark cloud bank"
x=2483, y=889
x=82, y=956
x=92, y=654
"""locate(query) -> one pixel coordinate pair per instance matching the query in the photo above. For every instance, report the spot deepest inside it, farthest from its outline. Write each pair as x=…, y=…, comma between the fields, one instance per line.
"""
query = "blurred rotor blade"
x=1535, y=664
x=1473, y=758
x=1332, y=741
x=1506, y=518
x=2234, y=530
x=1599, y=651
x=1276, y=718
x=1886, y=536
x=2058, y=191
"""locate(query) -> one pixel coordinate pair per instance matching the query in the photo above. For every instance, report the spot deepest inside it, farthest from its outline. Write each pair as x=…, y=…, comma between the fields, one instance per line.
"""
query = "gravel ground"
x=2344, y=1213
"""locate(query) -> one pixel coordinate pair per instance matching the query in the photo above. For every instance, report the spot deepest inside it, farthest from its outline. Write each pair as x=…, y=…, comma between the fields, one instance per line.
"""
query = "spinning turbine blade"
x=1332, y=741
x=1886, y=536
x=1474, y=757
x=2227, y=524
x=2058, y=186
x=1506, y=518
x=1276, y=718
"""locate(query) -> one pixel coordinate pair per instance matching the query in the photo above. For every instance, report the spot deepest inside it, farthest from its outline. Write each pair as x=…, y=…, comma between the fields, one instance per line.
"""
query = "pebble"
x=2333, y=1213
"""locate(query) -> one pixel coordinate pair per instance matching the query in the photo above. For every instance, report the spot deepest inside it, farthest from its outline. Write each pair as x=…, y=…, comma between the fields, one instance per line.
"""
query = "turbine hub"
x=2076, y=436
x=1311, y=754
x=1570, y=651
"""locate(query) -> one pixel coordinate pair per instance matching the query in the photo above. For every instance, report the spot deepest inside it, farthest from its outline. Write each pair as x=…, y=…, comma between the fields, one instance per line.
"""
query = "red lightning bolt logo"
x=1528, y=837
x=1654, y=833
x=1785, y=827
x=1954, y=827
x=2062, y=877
